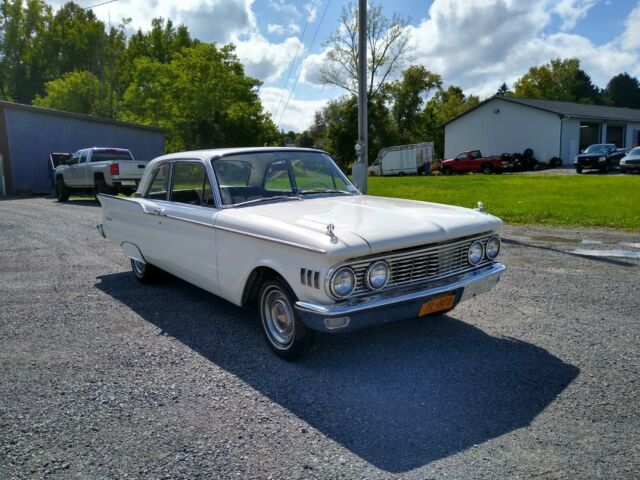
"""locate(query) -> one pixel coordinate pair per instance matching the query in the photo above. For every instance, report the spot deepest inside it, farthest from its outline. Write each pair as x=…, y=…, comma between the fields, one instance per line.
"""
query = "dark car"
x=601, y=156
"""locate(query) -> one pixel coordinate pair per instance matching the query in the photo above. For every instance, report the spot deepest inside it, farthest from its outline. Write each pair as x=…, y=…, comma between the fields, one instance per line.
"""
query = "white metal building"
x=552, y=129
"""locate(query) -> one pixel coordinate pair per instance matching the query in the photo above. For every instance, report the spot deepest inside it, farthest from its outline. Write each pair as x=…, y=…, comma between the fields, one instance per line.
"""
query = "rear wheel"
x=487, y=168
x=286, y=334
x=143, y=272
x=578, y=170
x=102, y=187
x=62, y=191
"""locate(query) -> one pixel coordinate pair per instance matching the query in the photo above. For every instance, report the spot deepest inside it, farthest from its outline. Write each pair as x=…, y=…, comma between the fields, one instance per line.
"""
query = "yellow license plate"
x=438, y=304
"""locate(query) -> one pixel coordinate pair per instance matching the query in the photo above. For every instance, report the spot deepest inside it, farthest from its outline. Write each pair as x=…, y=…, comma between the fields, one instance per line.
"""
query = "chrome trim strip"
x=382, y=301
x=231, y=230
x=271, y=239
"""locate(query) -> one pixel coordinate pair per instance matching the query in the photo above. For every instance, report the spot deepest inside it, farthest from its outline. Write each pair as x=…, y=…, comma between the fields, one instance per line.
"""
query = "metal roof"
x=568, y=109
x=79, y=116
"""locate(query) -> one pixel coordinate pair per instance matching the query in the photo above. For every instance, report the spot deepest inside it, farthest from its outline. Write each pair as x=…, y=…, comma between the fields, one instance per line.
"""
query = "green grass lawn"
x=586, y=200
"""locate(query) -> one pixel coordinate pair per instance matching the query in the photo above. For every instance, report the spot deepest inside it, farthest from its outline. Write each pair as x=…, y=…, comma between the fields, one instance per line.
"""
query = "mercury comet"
x=286, y=229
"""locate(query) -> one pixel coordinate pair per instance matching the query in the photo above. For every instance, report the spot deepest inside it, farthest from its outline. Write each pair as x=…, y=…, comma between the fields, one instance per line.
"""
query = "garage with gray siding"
x=29, y=134
x=552, y=129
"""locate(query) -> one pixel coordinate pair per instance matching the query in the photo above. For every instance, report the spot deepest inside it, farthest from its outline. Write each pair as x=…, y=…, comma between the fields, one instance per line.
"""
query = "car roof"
x=220, y=152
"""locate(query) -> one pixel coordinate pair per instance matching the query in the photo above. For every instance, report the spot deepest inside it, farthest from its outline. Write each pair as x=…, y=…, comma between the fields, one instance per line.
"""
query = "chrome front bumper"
x=374, y=310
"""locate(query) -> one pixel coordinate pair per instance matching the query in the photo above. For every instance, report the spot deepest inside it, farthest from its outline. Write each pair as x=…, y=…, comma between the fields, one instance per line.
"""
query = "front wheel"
x=447, y=171
x=578, y=170
x=286, y=334
x=143, y=272
x=62, y=191
x=487, y=169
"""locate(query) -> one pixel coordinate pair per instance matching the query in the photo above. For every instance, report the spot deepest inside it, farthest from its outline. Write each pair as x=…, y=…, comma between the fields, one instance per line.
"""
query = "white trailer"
x=403, y=159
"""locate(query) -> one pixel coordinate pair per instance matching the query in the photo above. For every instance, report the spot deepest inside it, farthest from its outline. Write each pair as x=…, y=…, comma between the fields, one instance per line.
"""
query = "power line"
x=293, y=62
x=98, y=4
x=304, y=60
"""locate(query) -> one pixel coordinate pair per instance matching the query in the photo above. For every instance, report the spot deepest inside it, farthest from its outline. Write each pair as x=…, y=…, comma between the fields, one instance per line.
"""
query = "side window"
x=83, y=156
x=190, y=184
x=462, y=156
x=74, y=159
x=277, y=178
x=158, y=188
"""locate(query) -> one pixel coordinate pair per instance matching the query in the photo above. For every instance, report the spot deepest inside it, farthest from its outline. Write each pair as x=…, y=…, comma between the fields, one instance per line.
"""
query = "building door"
x=615, y=135
x=589, y=134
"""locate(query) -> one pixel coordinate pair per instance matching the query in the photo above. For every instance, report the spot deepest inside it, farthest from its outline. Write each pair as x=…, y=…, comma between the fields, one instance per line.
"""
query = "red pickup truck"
x=473, y=161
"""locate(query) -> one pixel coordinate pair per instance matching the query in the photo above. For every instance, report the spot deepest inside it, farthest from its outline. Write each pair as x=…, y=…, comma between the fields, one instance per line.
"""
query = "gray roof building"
x=551, y=128
x=29, y=134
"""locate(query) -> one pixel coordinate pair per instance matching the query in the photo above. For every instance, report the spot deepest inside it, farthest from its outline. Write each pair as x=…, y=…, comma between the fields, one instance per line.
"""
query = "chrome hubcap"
x=138, y=267
x=278, y=317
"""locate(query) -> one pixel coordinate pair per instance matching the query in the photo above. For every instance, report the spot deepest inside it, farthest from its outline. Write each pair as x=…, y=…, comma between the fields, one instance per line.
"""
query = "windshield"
x=634, y=152
x=599, y=149
x=269, y=176
x=105, y=155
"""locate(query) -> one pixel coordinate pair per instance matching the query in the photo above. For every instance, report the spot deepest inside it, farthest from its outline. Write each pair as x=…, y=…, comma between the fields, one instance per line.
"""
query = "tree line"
x=70, y=60
x=199, y=92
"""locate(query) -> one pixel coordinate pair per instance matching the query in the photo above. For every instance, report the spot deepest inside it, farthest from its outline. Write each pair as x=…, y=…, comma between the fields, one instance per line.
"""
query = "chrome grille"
x=633, y=161
x=421, y=265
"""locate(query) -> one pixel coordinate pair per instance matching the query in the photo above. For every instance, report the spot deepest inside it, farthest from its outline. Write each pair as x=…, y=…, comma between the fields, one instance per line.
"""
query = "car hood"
x=362, y=224
x=592, y=155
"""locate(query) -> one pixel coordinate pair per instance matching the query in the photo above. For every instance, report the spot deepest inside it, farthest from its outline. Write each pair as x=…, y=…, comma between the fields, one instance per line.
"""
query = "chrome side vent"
x=310, y=278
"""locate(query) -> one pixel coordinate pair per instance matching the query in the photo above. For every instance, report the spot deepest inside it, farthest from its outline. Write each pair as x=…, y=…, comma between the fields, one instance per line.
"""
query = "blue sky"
x=476, y=44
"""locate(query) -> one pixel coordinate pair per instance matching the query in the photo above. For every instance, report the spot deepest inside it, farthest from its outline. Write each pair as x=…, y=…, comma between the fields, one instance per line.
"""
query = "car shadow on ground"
x=399, y=396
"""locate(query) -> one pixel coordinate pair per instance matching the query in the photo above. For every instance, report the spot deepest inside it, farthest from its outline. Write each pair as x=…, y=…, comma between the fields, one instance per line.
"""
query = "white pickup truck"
x=101, y=170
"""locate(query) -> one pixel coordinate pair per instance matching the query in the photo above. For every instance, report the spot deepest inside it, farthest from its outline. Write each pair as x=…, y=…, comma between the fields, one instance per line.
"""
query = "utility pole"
x=359, y=172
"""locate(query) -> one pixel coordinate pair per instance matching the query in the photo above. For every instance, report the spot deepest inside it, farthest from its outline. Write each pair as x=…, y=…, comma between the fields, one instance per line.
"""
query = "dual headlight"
x=477, y=251
x=343, y=281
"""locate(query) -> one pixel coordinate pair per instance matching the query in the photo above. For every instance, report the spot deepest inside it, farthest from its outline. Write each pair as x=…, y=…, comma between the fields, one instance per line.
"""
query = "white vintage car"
x=285, y=227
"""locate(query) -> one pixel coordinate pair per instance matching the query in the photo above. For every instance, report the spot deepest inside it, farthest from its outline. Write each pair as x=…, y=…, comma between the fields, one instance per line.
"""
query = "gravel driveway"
x=104, y=378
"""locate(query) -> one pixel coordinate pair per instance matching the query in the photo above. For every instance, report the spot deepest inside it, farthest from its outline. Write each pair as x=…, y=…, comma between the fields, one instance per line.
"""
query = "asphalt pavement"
x=102, y=377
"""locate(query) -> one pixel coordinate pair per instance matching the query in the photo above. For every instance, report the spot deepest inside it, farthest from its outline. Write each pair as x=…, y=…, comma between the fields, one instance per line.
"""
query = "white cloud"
x=208, y=20
x=480, y=44
x=572, y=11
x=284, y=7
x=293, y=27
x=265, y=60
x=275, y=28
x=311, y=10
x=299, y=113
x=630, y=38
x=312, y=66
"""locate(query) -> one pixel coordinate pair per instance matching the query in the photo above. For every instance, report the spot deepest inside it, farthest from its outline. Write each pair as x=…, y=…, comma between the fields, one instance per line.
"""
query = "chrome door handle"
x=153, y=210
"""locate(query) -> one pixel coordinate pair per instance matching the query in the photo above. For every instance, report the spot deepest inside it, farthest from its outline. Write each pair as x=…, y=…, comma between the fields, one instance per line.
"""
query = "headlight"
x=476, y=252
x=602, y=159
x=343, y=282
x=493, y=247
x=377, y=275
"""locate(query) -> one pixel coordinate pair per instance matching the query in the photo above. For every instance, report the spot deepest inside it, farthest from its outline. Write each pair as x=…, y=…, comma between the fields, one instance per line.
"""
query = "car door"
x=182, y=234
x=462, y=162
x=72, y=173
x=83, y=177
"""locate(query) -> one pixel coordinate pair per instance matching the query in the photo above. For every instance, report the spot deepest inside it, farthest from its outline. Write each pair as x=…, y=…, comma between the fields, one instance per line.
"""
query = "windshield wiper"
x=307, y=192
x=266, y=199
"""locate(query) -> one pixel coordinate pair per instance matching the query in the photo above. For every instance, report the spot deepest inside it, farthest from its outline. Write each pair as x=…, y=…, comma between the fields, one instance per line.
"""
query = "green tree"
x=78, y=92
x=23, y=59
x=558, y=80
x=623, y=90
x=202, y=96
x=408, y=96
x=388, y=43
x=442, y=107
x=503, y=91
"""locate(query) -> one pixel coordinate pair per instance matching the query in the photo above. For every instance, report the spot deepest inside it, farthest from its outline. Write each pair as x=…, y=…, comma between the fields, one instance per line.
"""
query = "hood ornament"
x=480, y=207
x=330, y=229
